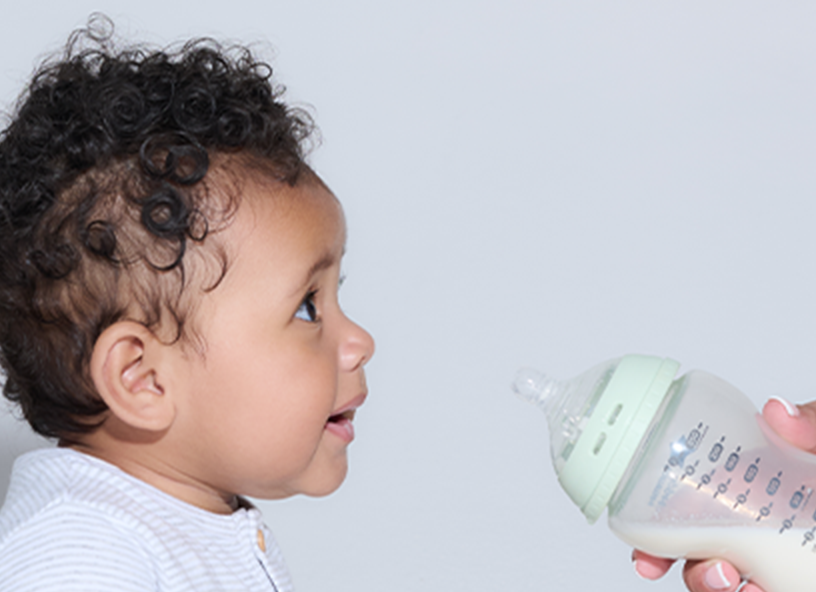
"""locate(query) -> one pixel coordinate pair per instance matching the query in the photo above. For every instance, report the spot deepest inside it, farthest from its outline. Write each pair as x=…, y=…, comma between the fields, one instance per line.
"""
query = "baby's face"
x=267, y=410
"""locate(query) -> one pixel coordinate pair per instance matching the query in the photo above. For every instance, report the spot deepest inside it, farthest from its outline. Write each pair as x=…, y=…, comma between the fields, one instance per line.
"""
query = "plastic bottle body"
x=710, y=479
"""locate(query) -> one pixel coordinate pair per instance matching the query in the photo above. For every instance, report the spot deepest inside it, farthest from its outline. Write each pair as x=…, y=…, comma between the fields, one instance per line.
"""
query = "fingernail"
x=792, y=409
x=715, y=577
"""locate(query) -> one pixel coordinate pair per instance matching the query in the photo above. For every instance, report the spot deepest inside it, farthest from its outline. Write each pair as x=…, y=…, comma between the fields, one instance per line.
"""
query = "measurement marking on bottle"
x=797, y=498
x=678, y=452
x=722, y=488
x=809, y=536
x=764, y=512
x=751, y=471
x=690, y=470
x=694, y=437
x=808, y=495
x=733, y=460
x=773, y=484
x=716, y=450
x=742, y=498
x=705, y=479
x=787, y=524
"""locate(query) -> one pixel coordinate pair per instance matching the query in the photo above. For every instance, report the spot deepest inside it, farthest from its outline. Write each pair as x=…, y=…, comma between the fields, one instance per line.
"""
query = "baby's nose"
x=357, y=349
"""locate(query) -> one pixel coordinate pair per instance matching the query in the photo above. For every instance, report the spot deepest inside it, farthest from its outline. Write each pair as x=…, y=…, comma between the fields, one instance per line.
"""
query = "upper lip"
x=351, y=406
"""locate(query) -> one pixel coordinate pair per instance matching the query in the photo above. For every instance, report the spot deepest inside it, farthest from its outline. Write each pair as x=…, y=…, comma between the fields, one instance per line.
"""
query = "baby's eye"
x=307, y=311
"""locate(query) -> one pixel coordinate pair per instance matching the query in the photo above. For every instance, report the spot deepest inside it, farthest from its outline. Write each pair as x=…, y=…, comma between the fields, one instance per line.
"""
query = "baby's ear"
x=127, y=371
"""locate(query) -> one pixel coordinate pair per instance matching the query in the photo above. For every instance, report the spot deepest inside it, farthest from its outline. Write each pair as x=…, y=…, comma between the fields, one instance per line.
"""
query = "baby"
x=169, y=267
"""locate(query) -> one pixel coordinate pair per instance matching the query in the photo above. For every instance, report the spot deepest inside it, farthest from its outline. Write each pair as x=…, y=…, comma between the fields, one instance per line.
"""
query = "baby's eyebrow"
x=327, y=260
x=324, y=262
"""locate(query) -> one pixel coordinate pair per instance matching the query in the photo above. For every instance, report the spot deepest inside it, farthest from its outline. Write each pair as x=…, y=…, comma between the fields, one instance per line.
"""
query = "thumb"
x=795, y=423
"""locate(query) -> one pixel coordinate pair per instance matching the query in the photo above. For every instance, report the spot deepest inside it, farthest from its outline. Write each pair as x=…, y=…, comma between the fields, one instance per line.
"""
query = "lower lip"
x=343, y=429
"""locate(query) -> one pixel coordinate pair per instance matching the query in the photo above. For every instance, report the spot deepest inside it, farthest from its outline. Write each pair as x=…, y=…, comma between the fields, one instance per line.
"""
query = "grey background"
x=527, y=183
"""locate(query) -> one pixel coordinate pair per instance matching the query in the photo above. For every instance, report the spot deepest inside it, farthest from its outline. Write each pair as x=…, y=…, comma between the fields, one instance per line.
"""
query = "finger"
x=795, y=423
x=711, y=576
x=650, y=567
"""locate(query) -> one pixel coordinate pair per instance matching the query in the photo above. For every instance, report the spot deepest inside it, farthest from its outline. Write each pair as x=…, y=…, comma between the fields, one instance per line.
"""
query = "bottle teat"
x=534, y=386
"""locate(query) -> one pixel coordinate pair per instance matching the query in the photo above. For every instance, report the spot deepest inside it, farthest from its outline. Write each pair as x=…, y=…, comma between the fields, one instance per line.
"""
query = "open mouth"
x=340, y=423
x=344, y=416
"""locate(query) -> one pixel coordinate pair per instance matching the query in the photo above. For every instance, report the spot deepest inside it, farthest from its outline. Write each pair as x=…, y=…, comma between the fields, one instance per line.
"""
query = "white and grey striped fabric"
x=74, y=523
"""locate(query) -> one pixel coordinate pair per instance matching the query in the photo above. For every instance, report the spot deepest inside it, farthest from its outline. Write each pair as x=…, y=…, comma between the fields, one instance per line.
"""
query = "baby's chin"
x=327, y=488
x=321, y=486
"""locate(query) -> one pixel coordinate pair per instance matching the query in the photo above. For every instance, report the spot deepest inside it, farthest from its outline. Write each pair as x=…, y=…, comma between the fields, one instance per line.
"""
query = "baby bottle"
x=687, y=467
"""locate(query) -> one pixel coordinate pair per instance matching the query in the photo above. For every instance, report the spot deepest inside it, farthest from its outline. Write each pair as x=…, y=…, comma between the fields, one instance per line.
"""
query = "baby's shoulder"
x=67, y=548
x=73, y=518
x=60, y=493
x=68, y=545
x=68, y=530
x=60, y=508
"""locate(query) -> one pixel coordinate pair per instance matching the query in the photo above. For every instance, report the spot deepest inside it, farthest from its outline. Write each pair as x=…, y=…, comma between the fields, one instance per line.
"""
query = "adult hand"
x=797, y=425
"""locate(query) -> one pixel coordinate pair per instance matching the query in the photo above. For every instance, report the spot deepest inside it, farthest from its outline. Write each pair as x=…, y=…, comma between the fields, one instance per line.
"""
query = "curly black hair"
x=105, y=195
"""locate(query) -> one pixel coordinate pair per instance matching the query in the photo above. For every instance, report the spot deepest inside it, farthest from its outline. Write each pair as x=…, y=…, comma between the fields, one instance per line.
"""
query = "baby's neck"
x=151, y=463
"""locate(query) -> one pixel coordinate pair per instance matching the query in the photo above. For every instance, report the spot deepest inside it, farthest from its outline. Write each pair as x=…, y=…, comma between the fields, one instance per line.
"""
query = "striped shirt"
x=75, y=523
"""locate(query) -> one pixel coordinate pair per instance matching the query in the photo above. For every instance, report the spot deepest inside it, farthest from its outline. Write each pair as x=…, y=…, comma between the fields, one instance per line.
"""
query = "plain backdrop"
x=546, y=183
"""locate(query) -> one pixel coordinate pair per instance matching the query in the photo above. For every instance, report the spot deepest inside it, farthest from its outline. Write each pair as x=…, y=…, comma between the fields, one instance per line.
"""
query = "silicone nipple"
x=533, y=386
